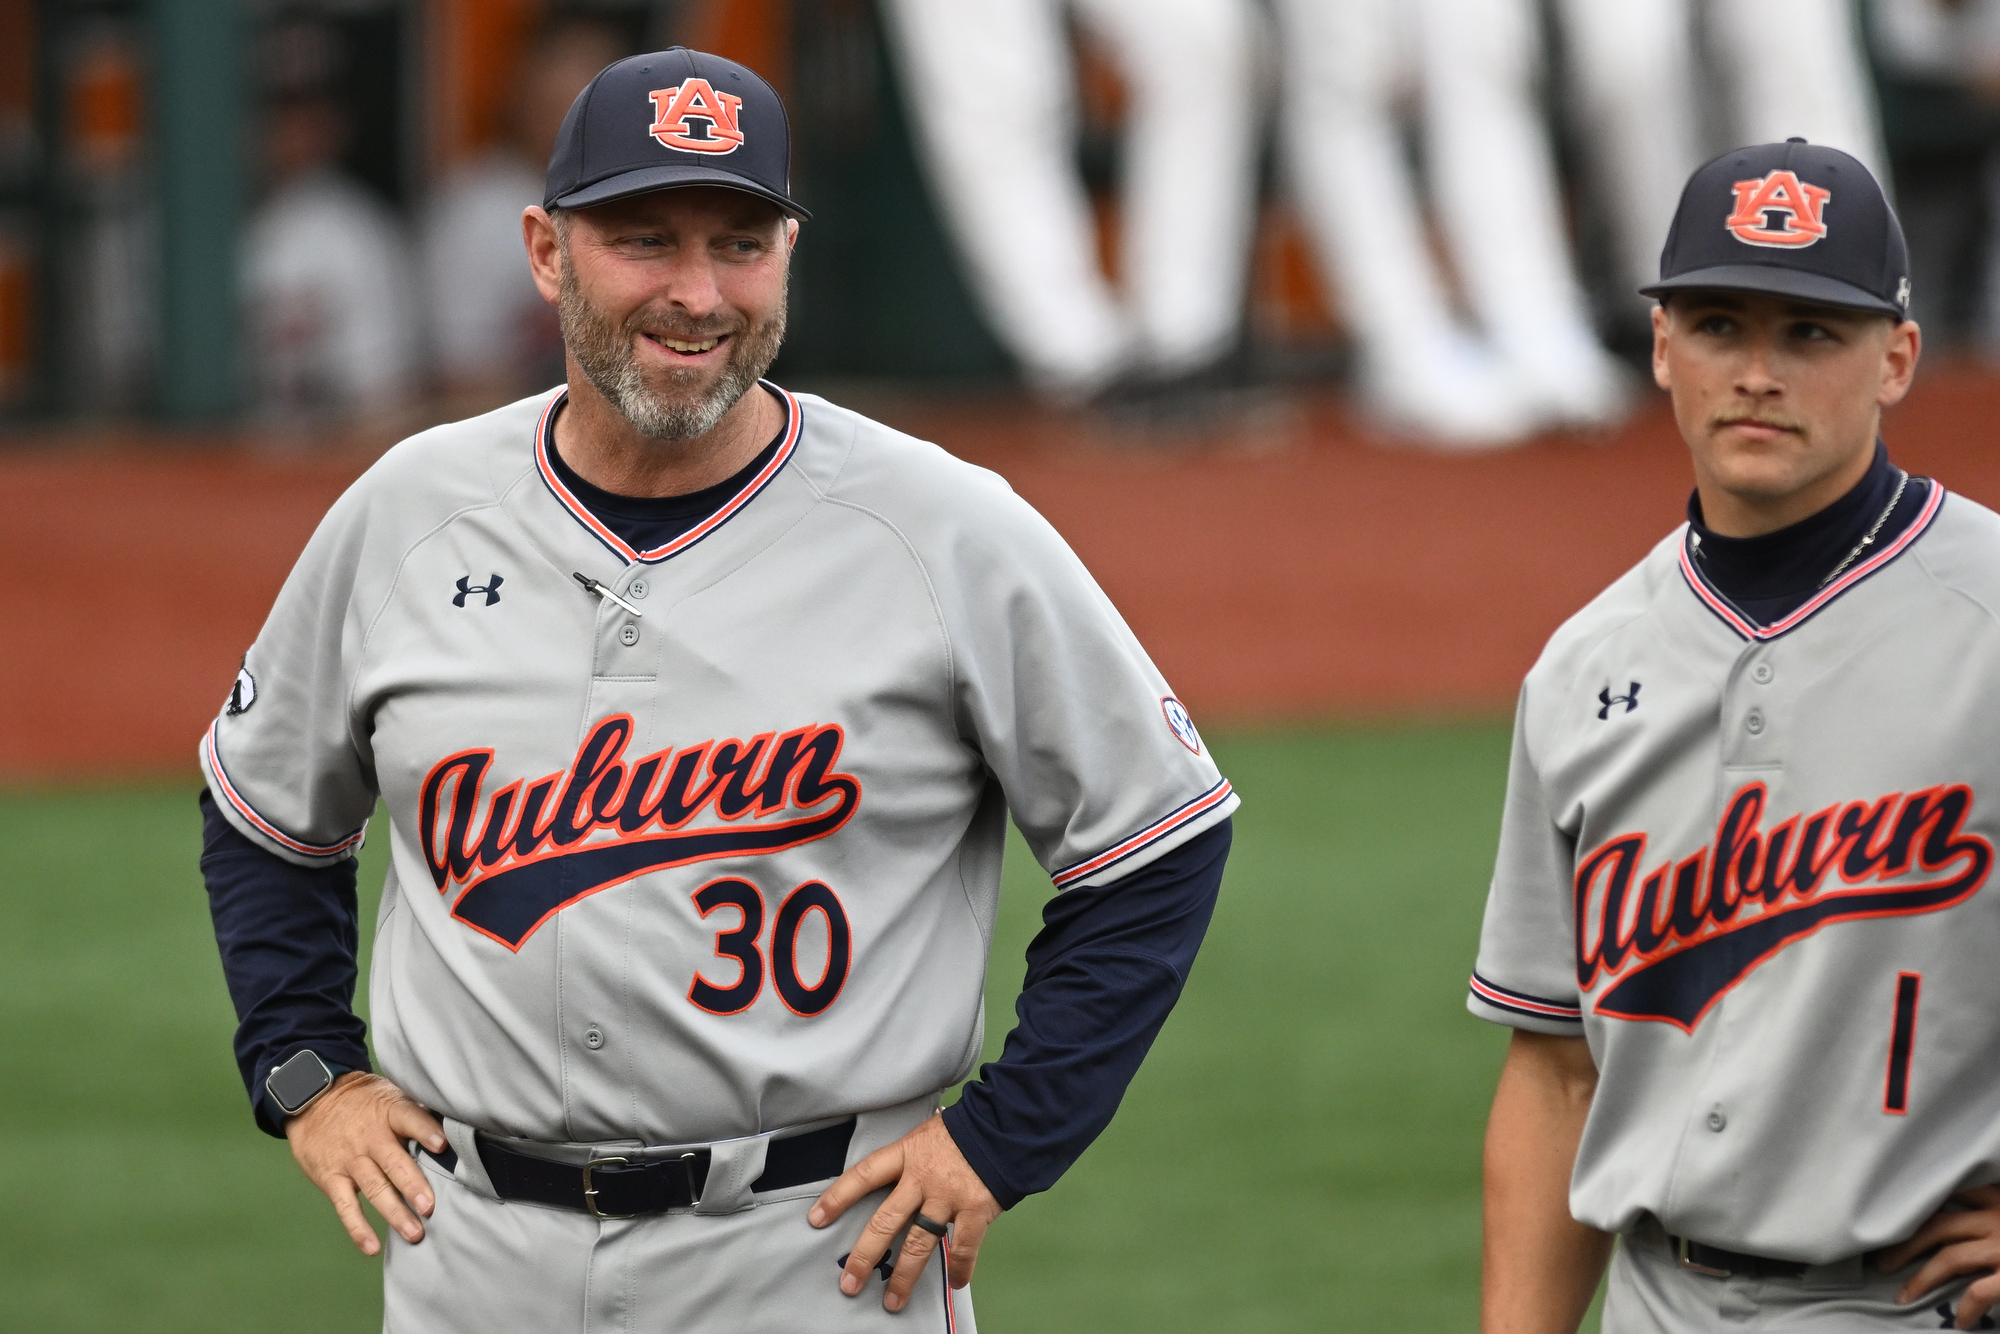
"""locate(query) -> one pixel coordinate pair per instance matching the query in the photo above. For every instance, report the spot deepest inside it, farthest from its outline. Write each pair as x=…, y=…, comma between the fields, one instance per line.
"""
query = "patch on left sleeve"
x=244, y=693
x=1178, y=720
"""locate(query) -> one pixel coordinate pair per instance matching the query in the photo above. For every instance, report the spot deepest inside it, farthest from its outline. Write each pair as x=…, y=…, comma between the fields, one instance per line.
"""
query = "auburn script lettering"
x=533, y=847
x=1668, y=944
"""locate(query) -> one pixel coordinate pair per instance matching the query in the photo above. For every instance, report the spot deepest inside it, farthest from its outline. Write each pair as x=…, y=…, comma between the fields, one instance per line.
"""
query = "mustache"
x=663, y=325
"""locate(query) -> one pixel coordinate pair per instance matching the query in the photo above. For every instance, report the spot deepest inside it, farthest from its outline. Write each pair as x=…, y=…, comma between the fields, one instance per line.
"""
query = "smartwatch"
x=299, y=1080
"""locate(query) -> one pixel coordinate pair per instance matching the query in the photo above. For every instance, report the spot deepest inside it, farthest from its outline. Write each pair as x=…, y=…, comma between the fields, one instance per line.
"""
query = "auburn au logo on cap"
x=693, y=99
x=669, y=119
x=1798, y=207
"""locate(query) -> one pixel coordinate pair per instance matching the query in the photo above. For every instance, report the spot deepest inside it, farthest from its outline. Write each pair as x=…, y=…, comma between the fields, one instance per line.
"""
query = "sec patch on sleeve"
x=1182, y=725
x=243, y=693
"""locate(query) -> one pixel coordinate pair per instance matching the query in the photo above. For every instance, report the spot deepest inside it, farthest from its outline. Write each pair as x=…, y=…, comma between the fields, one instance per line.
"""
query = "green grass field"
x=1301, y=1152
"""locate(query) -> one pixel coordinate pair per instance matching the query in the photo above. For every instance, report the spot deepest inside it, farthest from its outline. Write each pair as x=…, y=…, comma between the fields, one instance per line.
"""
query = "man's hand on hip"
x=932, y=1178
x=1965, y=1236
x=350, y=1143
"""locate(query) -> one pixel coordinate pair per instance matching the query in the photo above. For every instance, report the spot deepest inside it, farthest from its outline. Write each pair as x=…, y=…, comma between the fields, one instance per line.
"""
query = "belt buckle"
x=590, y=1191
x=1685, y=1261
x=686, y=1161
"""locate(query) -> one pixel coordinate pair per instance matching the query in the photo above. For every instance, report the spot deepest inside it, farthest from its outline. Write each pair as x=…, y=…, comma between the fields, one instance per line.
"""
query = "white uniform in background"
x=1634, y=90
x=1472, y=65
x=991, y=90
x=1795, y=67
x=1631, y=90
x=326, y=278
x=481, y=301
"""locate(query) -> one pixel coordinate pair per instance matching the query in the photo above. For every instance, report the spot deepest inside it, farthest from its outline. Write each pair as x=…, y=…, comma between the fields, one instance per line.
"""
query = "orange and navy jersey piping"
x=1178, y=818
x=618, y=546
x=1728, y=613
x=1520, y=1002
x=228, y=792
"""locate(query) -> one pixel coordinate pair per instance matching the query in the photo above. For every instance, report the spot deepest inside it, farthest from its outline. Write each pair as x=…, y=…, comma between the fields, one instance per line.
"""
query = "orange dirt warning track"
x=1292, y=570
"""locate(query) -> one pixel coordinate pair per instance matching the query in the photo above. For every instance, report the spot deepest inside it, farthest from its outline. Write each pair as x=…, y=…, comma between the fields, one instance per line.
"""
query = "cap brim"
x=668, y=177
x=1778, y=281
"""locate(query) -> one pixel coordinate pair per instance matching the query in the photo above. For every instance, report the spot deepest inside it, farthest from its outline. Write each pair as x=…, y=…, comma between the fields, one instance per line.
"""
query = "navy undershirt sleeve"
x=288, y=936
x=1103, y=975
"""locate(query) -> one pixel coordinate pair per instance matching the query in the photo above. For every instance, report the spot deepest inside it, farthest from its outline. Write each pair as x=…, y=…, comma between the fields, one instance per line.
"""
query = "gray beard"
x=679, y=408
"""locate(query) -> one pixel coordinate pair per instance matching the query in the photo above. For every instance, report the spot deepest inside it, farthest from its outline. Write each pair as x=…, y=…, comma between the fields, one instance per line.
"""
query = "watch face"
x=298, y=1081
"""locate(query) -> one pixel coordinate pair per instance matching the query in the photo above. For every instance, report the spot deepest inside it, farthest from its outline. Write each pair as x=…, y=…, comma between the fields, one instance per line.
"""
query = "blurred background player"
x=1471, y=66
x=492, y=337
x=1647, y=111
x=326, y=267
x=1938, y=65
x=1480, y=203
x=992, y=92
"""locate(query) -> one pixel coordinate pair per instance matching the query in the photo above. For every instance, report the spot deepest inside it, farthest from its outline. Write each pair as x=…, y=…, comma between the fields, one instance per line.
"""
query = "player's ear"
x=1662, y=319
x=791, y=232
x=1899, y=362
x=538, y=232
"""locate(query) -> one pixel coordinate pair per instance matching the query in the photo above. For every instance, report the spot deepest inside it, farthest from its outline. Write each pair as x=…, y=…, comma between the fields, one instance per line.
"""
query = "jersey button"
x=629, y=635
x=636, y=590
x=1761, y=673
x=1716, y=1120
x=1754, y=723
x=593, y=1037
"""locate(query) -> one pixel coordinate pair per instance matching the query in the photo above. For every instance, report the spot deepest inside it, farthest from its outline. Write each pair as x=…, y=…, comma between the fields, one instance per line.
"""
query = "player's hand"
x=349, y=1143
x=1967, y=1241
x=931, y=1177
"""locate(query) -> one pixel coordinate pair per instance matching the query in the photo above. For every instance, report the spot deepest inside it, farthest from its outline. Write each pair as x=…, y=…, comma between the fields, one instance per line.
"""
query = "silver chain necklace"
x=1867, y=540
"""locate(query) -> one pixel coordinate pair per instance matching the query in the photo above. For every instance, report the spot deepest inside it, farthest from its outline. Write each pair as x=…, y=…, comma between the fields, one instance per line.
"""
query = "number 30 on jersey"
x=780, y=959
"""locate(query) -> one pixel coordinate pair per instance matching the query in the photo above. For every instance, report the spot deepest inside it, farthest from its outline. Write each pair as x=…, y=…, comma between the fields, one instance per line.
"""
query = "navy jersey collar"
x=552, y=474
x=1763, y=586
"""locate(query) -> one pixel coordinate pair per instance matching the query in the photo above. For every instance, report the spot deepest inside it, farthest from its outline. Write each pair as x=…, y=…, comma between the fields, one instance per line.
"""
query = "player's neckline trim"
x=618, y=545
x=1728, y=613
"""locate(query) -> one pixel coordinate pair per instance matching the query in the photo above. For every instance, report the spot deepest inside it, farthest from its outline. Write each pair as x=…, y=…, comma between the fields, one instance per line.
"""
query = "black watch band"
x=296, y=1082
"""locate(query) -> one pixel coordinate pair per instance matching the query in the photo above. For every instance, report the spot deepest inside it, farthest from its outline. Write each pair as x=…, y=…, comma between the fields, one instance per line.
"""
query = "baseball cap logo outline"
x=694, y=97
x=1802, y=207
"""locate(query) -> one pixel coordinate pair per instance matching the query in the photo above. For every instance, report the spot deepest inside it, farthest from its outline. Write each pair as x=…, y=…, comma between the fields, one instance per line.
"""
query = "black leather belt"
x=612, y=1186
x=1719, y=1263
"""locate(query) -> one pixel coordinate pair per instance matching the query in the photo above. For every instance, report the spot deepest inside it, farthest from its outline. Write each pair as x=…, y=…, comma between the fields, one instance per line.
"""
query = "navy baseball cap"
x=1794, y=219
x=672, y=118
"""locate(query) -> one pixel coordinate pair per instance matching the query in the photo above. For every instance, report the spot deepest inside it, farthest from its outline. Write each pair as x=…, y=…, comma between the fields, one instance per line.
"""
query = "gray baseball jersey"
x=717, y=849
x=1746, y=864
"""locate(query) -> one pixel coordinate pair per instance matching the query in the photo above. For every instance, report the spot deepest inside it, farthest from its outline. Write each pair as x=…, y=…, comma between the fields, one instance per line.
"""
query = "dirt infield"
x=1294, y=568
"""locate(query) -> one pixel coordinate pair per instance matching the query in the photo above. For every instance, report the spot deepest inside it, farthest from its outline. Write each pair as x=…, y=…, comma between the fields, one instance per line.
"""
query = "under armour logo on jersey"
x=1630, y=699
x=693, y=99
x=466, y=588
x=1947, y=1318
x=1799, y=209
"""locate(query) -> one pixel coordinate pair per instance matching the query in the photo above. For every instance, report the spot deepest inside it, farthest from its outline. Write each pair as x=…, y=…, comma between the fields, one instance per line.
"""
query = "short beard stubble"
x=679, y=409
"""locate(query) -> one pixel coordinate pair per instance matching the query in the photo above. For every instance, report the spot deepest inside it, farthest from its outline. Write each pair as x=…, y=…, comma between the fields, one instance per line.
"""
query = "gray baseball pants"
x=736, y=1263
x=1649, y=1293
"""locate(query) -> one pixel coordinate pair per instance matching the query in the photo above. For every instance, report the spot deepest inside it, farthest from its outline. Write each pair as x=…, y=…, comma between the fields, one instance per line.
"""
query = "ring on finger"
x=930, y=1225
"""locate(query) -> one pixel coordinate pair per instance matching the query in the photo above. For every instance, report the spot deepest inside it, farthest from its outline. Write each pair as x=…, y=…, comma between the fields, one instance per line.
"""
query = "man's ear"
x=1662, y=319
x=538, y=233
x=791, y=232
x=1899, y=362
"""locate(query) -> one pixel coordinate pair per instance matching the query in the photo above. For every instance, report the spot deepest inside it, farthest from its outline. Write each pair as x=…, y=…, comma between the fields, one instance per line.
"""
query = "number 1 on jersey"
x=1902, y=1038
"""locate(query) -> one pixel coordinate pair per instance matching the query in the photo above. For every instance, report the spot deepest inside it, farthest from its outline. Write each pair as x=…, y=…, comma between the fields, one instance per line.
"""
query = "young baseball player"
x=698, y=708
x=1738, y=921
